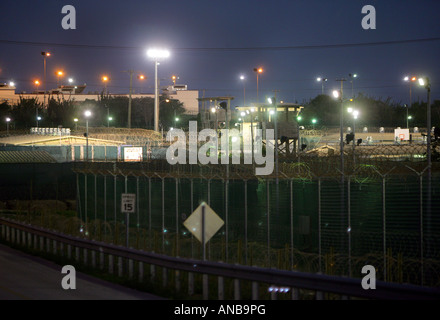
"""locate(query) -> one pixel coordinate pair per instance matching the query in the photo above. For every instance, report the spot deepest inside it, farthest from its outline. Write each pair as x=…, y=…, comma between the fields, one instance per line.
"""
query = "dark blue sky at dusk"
x=203, y=37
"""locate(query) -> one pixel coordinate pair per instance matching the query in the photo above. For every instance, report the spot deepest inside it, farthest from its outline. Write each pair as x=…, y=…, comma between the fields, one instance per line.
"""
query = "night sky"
x=213, y=42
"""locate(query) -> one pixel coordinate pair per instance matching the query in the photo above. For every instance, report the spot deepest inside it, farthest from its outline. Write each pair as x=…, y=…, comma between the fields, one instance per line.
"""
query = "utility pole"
x=129, y=97
x=341, y=150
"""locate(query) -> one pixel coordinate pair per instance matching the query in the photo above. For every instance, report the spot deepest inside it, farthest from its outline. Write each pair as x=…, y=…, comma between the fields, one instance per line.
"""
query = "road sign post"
x=203, y=223
x=128, y=201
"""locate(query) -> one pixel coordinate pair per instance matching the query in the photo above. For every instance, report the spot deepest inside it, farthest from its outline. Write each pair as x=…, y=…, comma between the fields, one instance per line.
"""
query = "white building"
x=189, y=98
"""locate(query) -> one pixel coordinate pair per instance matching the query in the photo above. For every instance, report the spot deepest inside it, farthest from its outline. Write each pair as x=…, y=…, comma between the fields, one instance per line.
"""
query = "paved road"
x=25, y=277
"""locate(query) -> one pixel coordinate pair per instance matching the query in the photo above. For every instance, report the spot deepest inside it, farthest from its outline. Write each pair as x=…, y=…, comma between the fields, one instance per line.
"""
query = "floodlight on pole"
x=425, y=82
x=87, y=114
x=242, y=78
x=258, y=71
x=156, y=55
x=322, y=80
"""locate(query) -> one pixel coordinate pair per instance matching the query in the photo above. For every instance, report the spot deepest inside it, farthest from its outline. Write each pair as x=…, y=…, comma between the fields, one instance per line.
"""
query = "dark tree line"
x=324, y=108
x=372, y=112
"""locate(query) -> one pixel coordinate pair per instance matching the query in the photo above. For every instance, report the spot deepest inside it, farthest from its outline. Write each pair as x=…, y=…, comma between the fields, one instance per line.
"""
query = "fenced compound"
x=305, y=218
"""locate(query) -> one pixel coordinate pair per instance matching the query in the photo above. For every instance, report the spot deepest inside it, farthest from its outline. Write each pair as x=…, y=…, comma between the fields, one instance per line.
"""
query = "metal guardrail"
x=27, y=235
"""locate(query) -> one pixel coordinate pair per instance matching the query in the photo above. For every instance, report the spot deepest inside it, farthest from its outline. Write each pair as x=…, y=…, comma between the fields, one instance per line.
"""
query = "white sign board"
x=133, y=154
x=401, y=134
x=212, y=223
x=128, y=202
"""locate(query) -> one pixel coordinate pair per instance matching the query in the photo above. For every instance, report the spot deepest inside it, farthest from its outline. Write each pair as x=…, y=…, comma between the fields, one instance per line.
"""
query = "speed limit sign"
x=128, y=202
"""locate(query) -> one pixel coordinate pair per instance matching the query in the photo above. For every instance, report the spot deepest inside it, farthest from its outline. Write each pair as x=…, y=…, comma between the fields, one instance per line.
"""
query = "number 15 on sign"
x=128, y=202
x=127, y=206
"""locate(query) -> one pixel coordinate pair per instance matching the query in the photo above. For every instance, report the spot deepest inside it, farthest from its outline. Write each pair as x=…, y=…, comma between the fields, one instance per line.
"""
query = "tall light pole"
x=59, y=74
x=87, y=114
x=37, y=83
x=258, y=71
x=407, y=118
x=243, y=78
x=156, y=55
x=45, y=55
x=129, y=98
x=105, y=79
x=142, y=78
x=338, y=95
x=410, y=80
x=322, y=80
x=355, y=114
x=352, y=77
x=7, y=125
x=424, y=82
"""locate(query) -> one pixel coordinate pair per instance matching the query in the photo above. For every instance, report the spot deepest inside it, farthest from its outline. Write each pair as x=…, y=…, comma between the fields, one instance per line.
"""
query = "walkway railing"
x=278, y=283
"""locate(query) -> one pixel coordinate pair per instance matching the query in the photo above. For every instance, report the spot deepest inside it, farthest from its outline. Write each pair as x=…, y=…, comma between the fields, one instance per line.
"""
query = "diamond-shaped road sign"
x=212, y=223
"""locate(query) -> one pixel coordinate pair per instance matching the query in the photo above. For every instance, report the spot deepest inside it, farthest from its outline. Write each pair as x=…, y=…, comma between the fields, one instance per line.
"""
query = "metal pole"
x=127, y=218
x=137, y=202
x=291, y=223
x=268, y=221
x=156, y=99
x=349, y=225
x=96, y=205
x=149, y=209
x=177, y=217
x=129, y=98
x=354, y=139
x=203, y=232
x=245, y=223
x=192, y=210
x=226, y=220
x=384, y=226
x=87, y=139
x=105, y=207
x=252, y=138
x=45, y=86
x=85, y=204
x=163, y=215
x=428, y=146
x=319, y=224
x=421, y=228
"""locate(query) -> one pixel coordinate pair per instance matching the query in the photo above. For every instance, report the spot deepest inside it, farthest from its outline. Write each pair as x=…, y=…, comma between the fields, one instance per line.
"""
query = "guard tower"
x=215, y=112
x=260, y=117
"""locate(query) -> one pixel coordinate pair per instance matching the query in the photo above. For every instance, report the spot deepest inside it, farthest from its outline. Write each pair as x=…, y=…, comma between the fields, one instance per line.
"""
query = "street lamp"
x=105, y=79
x=174, y=78
x=45, y=55
x=337, y=95
x=313, y=123
x=322, y=80
x=142, y=78
x=156, y=55
x=410, y=80
x=424, y=82
x=37, y=83
x=352, y=77
x=7, y=125
x=242, y=78
x=108, y=121
x=258, y=71
x=59, y=74
x=87, y=114
x=38, y=119
x=76, y=123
